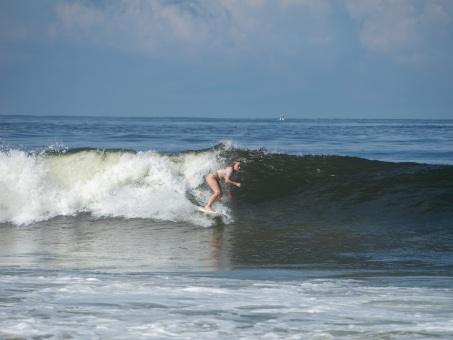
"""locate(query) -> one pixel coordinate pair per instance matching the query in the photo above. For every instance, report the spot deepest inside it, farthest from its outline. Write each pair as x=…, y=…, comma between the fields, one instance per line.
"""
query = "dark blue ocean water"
x=341, y=229
x=429, y=141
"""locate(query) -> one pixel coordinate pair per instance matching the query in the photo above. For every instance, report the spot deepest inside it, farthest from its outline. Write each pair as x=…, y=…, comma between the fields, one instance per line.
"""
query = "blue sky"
x=227, y=58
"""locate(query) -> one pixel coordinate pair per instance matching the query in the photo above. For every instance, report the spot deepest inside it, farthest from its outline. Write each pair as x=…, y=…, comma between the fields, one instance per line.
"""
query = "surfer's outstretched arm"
x=230, y=173
x=230, y=182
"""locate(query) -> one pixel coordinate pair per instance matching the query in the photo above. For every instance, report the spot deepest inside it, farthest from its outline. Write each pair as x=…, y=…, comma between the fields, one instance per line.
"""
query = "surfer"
x=224, y=174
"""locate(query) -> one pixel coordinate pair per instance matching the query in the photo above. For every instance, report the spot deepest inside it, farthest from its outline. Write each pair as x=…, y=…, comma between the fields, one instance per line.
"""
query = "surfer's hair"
x=234, y=162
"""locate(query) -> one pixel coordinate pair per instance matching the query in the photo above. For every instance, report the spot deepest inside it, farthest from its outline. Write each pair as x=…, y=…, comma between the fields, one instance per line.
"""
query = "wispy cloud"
x=148, y=25
x=144, y=25
x=314, y=6
x=402, y=29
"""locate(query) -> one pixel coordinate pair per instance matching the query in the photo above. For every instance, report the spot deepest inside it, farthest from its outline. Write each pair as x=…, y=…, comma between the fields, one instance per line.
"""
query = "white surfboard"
x=209, y=212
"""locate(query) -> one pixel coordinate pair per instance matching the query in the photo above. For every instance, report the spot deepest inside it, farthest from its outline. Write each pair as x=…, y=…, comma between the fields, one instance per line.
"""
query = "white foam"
x=37, y=187
x=118, y=306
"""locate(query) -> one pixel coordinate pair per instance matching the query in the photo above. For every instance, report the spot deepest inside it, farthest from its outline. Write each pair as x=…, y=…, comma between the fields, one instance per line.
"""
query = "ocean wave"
x=160, y=186
x=329, y=187
x=105, y=183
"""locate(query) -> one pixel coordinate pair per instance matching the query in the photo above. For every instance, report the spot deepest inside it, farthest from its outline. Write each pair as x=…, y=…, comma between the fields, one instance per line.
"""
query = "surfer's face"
x=237, y=166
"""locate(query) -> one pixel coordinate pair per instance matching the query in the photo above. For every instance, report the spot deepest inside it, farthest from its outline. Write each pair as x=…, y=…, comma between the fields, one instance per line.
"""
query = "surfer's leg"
x=216, y=189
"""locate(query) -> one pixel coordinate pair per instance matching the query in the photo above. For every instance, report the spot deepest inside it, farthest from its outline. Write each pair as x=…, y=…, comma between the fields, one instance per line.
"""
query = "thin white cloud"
x=401, y=28
x=314, y=6
x=141, y=24
x=78, y=15
x=150, y=25
x=398, y=28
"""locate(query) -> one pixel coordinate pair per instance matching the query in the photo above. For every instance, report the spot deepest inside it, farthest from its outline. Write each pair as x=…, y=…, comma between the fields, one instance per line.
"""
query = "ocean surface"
x=342, y=229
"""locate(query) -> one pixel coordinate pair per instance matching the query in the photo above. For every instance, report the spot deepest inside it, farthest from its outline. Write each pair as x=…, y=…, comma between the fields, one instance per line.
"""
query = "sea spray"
x=106, y=184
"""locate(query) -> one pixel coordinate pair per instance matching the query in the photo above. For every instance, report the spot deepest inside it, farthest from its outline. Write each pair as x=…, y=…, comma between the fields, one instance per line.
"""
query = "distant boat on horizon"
x=282, y=118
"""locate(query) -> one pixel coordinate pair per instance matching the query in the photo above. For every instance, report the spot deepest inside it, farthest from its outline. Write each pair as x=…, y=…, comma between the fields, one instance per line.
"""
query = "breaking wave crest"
x=159, y=186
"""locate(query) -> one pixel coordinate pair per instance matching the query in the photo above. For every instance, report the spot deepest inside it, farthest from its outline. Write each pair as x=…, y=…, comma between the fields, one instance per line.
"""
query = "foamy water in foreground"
x=191, y=306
